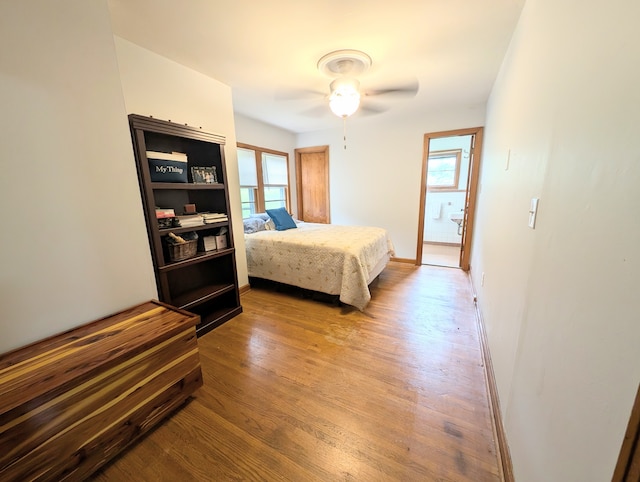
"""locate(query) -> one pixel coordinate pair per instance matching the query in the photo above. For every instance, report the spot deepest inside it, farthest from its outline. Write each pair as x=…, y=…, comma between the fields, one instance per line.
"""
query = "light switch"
x=533, y=212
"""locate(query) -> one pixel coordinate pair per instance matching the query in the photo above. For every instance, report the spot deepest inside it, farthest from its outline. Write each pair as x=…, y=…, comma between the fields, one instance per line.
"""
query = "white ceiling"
x=268, y=49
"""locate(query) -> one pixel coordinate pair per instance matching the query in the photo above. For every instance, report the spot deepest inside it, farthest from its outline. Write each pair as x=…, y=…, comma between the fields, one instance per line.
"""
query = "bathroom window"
x=443, y=170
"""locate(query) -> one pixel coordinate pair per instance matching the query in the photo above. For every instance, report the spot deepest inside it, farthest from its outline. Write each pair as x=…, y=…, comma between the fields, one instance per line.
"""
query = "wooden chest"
x=70, y=403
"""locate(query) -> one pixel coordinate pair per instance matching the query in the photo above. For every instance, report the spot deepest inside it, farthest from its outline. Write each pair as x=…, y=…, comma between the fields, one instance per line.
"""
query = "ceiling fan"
x=346, y=95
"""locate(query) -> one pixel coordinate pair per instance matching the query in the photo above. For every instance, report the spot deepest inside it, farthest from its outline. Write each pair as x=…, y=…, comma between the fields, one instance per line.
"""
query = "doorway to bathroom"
x=451, y=161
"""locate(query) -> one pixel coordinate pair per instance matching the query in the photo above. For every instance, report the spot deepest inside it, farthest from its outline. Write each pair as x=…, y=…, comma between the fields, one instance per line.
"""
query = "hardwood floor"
x=296, y=389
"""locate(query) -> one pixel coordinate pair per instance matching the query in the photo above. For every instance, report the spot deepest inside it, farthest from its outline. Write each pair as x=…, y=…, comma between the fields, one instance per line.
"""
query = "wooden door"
x=470, y=199
x=628, y=466
x=312, y=182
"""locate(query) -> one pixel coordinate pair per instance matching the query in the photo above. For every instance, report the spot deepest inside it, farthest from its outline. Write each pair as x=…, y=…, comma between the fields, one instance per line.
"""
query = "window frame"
x=259, y=190
x=457, y=153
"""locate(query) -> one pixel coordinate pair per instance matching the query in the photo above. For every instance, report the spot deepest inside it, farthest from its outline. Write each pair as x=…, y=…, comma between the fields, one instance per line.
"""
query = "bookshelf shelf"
x=198, y=258
x=204, y=227
x=187, y=186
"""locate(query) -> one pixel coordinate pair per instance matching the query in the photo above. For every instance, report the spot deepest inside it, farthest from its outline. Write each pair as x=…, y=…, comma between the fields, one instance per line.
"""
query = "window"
x=264, y=179
x=443, y=170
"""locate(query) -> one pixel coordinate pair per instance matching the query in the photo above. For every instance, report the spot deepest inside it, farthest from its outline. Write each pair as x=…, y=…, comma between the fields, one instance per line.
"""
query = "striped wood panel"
x=70, y=403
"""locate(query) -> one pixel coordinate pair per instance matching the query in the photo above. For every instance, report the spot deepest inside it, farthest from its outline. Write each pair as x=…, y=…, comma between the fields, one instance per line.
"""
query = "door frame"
x=471, y=191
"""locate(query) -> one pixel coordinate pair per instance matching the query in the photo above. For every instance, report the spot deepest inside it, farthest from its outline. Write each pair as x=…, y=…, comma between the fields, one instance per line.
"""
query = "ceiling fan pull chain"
x=344, y=131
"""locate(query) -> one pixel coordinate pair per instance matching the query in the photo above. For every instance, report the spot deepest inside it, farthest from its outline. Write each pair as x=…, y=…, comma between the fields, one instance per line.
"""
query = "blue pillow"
x=282, y=219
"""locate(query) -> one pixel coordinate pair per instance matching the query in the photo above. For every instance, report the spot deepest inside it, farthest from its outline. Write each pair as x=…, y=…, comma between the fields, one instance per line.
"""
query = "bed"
x=332, y=259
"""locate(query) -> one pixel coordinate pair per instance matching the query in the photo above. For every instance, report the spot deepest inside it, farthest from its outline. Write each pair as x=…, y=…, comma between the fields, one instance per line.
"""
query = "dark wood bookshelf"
x=207, y=283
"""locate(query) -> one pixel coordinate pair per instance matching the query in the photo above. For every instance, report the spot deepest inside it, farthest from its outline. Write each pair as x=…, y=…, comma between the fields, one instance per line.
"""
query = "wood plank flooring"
x=301, y=390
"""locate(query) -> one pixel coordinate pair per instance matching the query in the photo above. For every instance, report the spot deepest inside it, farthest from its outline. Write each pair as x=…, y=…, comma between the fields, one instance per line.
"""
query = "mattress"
x=333, y=259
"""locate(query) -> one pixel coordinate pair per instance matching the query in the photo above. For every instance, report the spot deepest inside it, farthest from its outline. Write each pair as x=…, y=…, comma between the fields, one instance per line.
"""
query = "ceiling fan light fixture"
x=345, y=97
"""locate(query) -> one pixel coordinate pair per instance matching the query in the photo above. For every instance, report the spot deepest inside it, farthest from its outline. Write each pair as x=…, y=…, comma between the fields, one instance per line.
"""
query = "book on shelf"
x=214, y=217
x=167, y=156
x=164, y=213
x=190, y=220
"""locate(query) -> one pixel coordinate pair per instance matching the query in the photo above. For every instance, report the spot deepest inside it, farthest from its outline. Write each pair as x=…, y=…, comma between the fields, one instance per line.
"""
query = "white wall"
x=259, y=134
x=375, y=181
x=438, y=226
x=74, y=246
x=156, y=86
x=561, y=302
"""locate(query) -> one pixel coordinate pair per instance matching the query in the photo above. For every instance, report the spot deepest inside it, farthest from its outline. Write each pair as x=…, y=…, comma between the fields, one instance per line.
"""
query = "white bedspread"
x=322, y=257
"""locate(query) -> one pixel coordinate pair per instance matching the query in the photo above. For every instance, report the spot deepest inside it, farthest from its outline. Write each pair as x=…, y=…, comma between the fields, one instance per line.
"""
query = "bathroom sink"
x=457, y=217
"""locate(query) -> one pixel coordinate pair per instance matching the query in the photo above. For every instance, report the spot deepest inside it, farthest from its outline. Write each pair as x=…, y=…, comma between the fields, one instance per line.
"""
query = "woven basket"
x=180, y=251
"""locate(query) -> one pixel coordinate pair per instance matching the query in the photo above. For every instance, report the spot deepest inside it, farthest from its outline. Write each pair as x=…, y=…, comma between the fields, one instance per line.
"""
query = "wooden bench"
x=70, y=403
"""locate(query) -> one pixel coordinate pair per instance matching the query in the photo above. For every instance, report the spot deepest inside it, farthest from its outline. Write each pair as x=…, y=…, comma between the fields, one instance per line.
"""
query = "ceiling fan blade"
x=405, y=90
x=370, y=109
x=297, y=94
x=317, y=111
